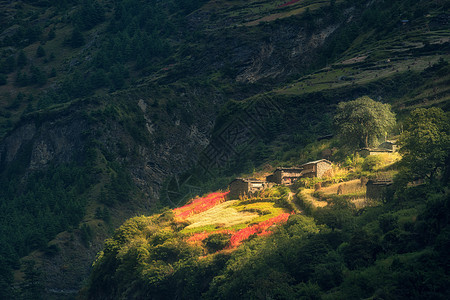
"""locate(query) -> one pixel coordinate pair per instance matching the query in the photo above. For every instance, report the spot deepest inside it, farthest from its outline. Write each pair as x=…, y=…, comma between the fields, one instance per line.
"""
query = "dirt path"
x=297, y=208
x=307, y=193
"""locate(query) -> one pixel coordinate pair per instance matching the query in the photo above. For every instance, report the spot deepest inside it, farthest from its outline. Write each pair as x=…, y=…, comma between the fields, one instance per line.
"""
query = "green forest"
x=114, y=114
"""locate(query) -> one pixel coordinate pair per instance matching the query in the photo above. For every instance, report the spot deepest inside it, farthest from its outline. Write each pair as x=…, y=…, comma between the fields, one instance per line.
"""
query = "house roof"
x=251, y=180
x=392, y=142
x=292, y=169
x=376, y=150
x=317, y=161
x=380, y=181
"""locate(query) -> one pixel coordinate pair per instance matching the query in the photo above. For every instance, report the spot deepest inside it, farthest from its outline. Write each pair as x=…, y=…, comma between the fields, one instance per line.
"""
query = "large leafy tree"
x=425, y=144
x=363, y=121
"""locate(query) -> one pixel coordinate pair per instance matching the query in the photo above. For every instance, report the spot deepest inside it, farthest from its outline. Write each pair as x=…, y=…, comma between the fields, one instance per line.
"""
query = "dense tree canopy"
x=362, y=121
x=425, y=143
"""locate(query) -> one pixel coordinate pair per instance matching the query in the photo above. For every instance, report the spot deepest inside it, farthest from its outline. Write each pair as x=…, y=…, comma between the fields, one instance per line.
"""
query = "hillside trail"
x=307, y=193
x=291, y=196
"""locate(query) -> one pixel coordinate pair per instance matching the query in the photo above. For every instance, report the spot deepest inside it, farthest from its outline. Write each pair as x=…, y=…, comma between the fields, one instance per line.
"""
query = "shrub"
x=388, y=222
x=371, y=163
x=333, y=218
x=304, y=204
x=308, y=183
x=76, y=39
x=216, y=242
x=86, y=234
x=40, y=52
x=283, y=202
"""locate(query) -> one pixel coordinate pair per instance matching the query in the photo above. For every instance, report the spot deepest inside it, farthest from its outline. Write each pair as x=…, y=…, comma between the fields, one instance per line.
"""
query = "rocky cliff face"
x=38, y=145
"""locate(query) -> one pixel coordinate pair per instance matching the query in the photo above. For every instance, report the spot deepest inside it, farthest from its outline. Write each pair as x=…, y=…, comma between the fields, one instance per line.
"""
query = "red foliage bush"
x=199, y=205
x=202, y=204
x=259, y=229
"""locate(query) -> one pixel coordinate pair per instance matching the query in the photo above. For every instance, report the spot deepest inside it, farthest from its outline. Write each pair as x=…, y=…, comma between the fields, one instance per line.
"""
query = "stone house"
x=364, y=152
x=389, y=145
x=246, y=187
x=285, y=175
x=376, y=189
x=316, y=168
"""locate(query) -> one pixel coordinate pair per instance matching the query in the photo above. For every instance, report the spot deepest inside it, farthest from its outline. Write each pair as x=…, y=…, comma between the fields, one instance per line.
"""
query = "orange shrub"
x=199, y=205
x=258, y=229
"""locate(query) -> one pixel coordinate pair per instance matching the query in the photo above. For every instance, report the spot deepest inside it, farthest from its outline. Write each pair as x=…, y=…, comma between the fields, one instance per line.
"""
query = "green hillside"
x=331, y=246
x=112, y=109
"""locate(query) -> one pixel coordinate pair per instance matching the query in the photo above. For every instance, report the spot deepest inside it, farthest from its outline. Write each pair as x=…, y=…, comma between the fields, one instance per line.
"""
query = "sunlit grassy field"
x=231, y=215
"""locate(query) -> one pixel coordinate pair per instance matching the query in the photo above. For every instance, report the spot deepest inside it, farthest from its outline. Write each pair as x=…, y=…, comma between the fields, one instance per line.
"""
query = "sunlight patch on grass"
x=352, y=186
x=307, y=194
x=221, y=215
x=387, y=160
x=232, y=215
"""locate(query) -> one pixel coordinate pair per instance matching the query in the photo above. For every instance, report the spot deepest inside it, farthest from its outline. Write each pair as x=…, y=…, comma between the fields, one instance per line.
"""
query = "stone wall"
x=377, y=190
x=278, y=176
x=321, y=168
x=238, y=188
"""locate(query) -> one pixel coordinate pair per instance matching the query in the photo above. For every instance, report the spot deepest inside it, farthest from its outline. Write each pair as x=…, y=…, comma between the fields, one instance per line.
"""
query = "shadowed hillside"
x=112, y=109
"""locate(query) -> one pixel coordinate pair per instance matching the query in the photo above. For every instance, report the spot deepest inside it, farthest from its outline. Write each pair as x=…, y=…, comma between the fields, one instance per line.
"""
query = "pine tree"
x=22, y=59
x=32, y=287
x=76, y=39
x=40, y=52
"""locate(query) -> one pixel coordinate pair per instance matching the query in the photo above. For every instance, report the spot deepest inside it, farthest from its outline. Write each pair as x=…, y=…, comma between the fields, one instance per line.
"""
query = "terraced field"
x=239, y=219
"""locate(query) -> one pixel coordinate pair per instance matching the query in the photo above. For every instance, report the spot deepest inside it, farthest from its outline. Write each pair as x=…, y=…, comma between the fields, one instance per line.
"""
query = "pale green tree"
x=362, y=122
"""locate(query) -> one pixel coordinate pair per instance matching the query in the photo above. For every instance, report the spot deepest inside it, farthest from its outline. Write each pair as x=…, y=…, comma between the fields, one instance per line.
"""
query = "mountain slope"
x=145, y=100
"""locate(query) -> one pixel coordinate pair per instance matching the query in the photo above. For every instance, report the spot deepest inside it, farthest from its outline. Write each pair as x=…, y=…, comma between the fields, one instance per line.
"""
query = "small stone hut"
x=389, y=145
x=316, y=168
x=246, y=187
x=364, y=152
x=376, y=189
x=285, y=175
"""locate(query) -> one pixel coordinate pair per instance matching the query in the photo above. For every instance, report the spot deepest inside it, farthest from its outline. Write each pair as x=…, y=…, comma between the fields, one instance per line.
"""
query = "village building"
x=389, y=145
x=285, y=175
x=364, y=152
x=377, y=189
x=246, y=187
x=316, y=168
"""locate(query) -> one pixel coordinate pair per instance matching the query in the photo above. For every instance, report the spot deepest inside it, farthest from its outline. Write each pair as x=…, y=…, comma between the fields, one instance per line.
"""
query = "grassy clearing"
x=265, y=210
x=222, y=215
x=307, y=195
x=387, y=160
x=232, y=215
